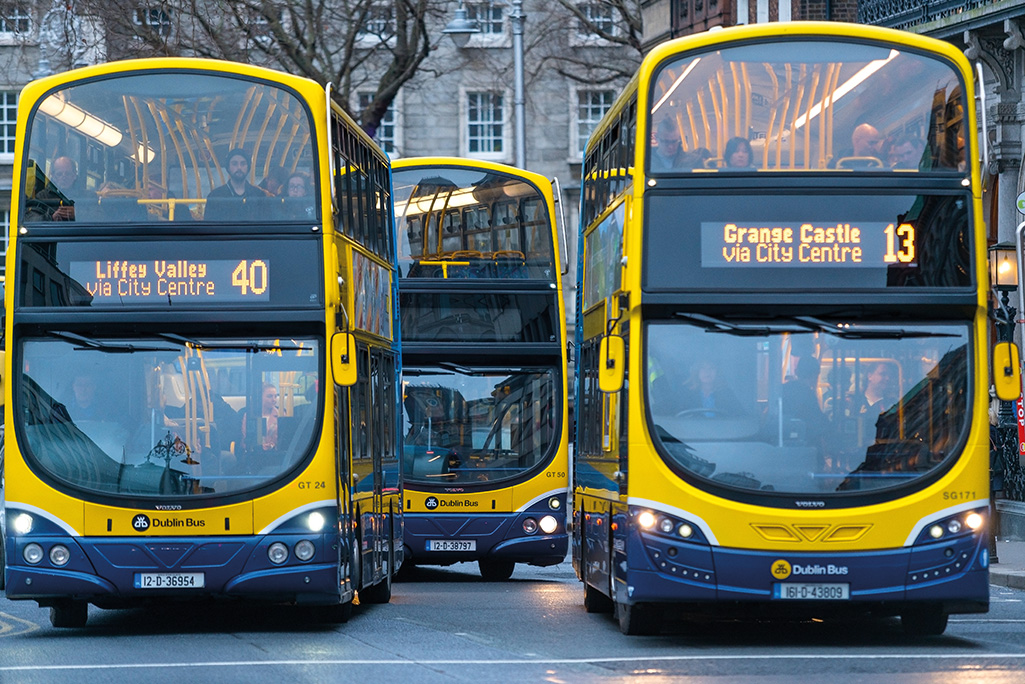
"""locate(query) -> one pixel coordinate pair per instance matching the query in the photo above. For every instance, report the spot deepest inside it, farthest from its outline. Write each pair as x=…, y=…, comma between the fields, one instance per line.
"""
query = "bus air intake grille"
x=776, y=533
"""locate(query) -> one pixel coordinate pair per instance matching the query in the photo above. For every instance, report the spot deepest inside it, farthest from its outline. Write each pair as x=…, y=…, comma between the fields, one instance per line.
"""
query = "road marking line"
x=521, y=661
x=9, y=625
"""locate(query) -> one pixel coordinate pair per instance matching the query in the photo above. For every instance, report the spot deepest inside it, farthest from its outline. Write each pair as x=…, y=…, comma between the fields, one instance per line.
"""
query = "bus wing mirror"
x=1006, y=371
x=343, y=358
x=612, y=364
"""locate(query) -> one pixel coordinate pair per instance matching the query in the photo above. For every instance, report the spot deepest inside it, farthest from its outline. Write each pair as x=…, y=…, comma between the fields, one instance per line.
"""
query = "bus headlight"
x=59, y=555
x=530, y=526
x=666, y=525
x=646, y=520
x=304, y=550
x=23, y=524
x=974, y=521
x=936, y=531
x=316, y=521
x=277, y=553
x=686, y=530
x=549, y=524
x=554, y=503
x=33, y=553
x=954, y=526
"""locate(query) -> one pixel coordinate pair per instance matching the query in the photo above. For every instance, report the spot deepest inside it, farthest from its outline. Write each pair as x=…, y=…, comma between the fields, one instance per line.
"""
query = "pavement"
x=1007, y=568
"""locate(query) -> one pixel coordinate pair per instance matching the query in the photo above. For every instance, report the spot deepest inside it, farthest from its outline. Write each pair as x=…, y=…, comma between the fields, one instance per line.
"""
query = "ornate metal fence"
x=904, y=13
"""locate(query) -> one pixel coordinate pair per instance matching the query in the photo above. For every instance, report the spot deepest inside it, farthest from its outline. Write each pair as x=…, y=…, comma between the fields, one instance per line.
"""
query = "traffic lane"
x=449, y=625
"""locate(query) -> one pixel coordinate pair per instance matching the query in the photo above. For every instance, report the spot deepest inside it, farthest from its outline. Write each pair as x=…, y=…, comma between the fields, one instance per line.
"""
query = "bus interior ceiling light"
x=87, y=124
x=676, y=84
x=851, y=83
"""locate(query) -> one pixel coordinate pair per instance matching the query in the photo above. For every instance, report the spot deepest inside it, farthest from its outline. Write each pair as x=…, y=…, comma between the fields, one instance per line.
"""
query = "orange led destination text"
x=808, y=244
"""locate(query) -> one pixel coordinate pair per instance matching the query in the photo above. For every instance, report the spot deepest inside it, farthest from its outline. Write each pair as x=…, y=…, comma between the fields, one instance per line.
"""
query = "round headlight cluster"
x=33, y=553
x=549, y=524
x=530, y=526
x=304, y=550
x=277, y=553
x=59, y=555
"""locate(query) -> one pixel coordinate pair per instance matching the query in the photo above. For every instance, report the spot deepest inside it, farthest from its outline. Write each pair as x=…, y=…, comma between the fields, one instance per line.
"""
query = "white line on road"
x=704, y=657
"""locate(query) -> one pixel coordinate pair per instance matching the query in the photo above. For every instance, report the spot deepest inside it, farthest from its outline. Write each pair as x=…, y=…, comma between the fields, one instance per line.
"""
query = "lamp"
x=462, y=28
x=1003, y=267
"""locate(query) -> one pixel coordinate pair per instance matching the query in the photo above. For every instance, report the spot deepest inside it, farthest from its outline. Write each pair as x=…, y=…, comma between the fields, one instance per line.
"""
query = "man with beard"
x=237, y=187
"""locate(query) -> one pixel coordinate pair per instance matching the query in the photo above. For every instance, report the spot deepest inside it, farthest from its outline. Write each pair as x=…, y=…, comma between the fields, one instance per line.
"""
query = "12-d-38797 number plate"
x=451, y=545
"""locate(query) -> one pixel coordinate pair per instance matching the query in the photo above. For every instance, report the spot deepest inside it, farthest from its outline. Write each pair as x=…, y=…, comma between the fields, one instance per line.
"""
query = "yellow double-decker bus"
x=783, y=371
x=486, y=440
x=201, y=374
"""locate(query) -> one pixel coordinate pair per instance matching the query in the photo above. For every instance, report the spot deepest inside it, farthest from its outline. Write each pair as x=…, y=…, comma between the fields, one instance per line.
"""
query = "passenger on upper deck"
x=237, y=163
x=905, y=152
x=55, y=201
x=275, y=181
x=738, y=154
x=865, y=151
x=668, y=152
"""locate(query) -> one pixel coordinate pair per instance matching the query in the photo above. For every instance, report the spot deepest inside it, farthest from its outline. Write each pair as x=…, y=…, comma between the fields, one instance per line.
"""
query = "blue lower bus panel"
x=115, y=571
x=666, y=569
x=446, y=538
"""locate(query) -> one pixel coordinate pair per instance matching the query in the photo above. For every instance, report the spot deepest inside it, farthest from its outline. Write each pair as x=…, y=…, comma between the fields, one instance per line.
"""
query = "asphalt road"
x=448, y=625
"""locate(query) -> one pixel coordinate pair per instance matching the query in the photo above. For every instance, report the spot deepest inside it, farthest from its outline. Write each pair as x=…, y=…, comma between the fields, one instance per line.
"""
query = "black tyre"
x=496, y=570
x=639, y=619
x=69, y=614
x=595, y=601
x=924, y=621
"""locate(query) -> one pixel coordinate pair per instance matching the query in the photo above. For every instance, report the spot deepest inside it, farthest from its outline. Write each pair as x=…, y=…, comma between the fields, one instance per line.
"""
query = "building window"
x=8, y=121
x=489, y=16
x=156, y=20
x=386, y=135
x=3, y=245
x=599, y=16
x=592, y=105
x=14, y=18
x=380, y=22
x=485, y=118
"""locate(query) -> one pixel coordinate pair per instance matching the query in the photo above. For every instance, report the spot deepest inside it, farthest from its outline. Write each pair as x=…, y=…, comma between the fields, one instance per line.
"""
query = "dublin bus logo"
x=140, y=523
x=431, y=503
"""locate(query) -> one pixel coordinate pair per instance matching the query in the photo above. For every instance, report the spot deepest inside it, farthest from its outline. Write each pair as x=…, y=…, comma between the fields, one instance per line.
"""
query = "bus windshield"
x=161, y=416
x=169, y=146
x=802, y=106
x=807, y=407
x=471, y=223
x=468, y=425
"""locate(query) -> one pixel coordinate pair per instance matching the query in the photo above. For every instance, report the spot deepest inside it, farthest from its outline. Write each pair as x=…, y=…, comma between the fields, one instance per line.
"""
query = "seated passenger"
x=55, y=201
x=738, y=154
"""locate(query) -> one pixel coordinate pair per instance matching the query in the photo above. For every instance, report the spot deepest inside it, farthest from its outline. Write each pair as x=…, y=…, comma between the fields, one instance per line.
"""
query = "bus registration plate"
x=170, y=580
x=811, y=591
x=451, y=545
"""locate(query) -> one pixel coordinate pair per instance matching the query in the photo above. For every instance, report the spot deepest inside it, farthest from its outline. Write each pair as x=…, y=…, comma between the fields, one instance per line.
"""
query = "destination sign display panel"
x=797, y=244
x=165, y=274
x=806, y=242
x=184, y=280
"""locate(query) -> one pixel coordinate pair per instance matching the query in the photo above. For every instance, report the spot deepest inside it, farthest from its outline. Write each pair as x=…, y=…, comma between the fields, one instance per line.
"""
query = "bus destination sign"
x=124, y=281
x=833, y=245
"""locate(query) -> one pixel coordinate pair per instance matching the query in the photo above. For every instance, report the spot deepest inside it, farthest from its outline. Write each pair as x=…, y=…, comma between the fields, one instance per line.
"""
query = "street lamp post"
x=461, y=28
x=1003, y=265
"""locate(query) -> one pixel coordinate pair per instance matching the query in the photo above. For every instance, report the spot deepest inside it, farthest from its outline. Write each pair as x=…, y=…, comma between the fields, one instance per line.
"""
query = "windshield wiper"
x=106, y=347
x=718, y=325
x=866, y=333
x=247, y=346
x=479, y=371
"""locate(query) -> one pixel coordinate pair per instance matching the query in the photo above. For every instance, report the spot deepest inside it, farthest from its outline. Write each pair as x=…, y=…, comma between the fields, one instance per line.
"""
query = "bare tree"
x=356, y=45
x=580, y=32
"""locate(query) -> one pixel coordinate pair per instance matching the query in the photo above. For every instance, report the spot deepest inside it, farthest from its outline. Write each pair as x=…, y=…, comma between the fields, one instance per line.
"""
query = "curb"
x=1015, y=579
